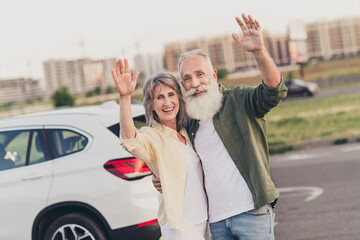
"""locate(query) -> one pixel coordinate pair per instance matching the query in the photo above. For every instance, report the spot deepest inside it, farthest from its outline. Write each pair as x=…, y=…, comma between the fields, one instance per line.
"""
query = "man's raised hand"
x=125, y=83
x=252, y=39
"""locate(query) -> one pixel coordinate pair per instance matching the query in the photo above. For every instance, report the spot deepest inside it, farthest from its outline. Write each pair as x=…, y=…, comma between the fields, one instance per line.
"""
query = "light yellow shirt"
x=160, y=148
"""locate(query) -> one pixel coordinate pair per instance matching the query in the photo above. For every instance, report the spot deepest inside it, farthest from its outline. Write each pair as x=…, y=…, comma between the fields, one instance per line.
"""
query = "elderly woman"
x=165, y=146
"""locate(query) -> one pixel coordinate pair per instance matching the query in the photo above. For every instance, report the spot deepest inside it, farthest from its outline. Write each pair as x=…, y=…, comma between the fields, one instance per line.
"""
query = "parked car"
x=64, y=175
x=301, y=88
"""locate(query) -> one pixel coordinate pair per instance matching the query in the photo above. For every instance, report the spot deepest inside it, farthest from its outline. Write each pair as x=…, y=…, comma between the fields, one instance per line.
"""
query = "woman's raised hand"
x=125, y=83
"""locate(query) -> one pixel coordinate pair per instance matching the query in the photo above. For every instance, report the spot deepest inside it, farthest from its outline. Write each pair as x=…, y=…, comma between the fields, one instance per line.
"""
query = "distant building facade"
x=148, y=65
x=20, y=90
x=71, y=73
x=226, y=54
x=334, y=39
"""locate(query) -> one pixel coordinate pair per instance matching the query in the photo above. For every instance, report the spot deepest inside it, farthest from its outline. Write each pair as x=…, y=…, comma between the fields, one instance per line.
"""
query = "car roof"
x=108, y=113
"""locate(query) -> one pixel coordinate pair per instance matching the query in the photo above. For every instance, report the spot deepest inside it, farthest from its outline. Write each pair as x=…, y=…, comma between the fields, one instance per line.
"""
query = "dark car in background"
x=297, y=87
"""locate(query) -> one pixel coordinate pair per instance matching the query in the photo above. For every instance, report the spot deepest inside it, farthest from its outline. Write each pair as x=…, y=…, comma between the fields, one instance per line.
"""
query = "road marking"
x=317, y=155
x=310, y=193
x=351, y=149
x=303, y=156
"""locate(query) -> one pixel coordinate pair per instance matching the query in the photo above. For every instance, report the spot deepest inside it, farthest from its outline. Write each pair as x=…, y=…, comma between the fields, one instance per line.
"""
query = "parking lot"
x=318, y=193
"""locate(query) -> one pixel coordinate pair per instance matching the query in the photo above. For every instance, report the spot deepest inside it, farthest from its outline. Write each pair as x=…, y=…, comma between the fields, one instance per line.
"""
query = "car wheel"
x=74, y=226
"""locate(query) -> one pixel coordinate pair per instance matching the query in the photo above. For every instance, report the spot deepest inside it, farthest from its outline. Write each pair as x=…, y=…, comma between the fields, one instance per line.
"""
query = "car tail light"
x=128, y=169
x=147, y=223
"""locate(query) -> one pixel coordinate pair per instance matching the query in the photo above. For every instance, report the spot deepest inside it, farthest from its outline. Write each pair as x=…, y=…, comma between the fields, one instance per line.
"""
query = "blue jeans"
x=251, y=225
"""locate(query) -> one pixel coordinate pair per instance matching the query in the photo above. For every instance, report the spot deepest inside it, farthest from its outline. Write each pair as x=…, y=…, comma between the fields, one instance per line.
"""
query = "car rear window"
x=139, y=122
x=64, y=142
x=20, y=148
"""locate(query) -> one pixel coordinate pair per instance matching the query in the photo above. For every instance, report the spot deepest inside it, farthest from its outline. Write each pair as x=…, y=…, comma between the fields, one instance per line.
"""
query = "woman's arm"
x=125, y=84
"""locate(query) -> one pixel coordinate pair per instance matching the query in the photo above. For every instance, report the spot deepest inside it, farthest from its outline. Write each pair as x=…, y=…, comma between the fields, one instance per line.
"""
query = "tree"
x=303, y=65
x=222, y=73
x=109, y=89
x=62, y=97
x=290, y=76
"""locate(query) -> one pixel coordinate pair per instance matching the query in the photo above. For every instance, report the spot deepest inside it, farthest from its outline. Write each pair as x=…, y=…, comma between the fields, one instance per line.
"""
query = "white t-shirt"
x=195, y=202
x=227, y=190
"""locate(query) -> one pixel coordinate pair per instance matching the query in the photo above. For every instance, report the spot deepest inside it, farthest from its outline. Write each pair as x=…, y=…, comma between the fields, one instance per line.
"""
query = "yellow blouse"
x=160, y=148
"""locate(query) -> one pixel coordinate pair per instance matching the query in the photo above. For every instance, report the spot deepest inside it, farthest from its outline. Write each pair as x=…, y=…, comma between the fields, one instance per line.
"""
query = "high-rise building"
x=148, y=65
x=20, y=90
x=71, y=73
x=334, y=39
x=227, y=54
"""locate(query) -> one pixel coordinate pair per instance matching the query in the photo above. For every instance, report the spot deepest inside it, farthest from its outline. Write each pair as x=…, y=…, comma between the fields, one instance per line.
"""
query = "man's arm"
x=156, y=182
x=253, y=42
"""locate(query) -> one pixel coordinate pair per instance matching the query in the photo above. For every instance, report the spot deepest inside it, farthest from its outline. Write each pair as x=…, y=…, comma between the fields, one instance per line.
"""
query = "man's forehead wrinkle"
x=194, y=71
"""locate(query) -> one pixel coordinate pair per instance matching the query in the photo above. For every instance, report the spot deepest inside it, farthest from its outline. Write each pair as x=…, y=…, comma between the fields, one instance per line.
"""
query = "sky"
x=32, y=31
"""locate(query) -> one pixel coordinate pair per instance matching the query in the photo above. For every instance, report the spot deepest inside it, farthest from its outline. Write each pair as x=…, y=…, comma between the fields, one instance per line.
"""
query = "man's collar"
x=222, y=88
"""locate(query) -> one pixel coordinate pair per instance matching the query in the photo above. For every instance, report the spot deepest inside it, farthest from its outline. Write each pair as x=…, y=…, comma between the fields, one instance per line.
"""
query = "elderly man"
x=228, y=130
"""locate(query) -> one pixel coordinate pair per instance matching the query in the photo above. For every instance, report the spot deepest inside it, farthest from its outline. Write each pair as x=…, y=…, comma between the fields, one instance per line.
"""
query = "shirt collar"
x=164, y=129
x=222, y=88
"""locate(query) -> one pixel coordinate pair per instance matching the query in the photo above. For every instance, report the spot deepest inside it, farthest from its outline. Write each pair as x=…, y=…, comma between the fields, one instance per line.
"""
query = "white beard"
x=204, y=107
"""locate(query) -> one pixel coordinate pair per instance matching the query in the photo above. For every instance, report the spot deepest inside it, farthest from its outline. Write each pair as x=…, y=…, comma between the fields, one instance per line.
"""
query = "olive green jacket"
x=241, y=125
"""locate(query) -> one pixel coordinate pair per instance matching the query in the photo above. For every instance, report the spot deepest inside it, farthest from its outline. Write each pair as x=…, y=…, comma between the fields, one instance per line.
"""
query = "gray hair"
x=195, y=52
x=148, y=92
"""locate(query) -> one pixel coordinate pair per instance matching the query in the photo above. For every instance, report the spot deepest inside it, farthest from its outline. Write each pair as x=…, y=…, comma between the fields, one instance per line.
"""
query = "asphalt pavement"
x=326, y=93
x=319, y=193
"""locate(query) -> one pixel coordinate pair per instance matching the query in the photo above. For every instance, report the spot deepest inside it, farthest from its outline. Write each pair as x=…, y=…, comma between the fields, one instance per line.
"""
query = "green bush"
x=97, y=90
x=341, y=141
x=222, y=73
x=62, y=97
x=110, y=89
x=280, y=149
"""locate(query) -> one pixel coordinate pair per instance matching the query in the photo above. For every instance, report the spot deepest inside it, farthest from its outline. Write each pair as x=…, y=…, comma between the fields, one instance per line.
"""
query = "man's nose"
x=195, y=82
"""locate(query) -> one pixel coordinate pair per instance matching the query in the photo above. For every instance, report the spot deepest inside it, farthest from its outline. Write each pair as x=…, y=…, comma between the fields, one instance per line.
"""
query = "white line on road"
x=351, y=149
x=311, y=192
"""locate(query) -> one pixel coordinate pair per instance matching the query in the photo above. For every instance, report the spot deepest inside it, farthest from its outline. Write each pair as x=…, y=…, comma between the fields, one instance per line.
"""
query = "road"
x=327, y=93
x=319, y=193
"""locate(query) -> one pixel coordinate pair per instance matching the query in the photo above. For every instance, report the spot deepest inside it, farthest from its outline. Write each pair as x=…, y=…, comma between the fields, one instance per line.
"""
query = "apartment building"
x=20, y=90
x=334, y=39
x=278, y=48
x=226, y=54
x=148, y=65
x=77, y=75
x=323, y=40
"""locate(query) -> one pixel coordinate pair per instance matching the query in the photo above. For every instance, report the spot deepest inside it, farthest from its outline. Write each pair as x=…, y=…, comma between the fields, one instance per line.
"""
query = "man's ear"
x=215, y=75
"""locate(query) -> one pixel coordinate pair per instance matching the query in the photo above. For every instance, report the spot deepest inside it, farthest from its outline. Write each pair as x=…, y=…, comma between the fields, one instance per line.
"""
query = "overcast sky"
x=35, y=30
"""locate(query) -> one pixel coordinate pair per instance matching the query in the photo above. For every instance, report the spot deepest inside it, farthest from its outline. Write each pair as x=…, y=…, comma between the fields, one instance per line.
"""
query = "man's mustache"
x=198, y=89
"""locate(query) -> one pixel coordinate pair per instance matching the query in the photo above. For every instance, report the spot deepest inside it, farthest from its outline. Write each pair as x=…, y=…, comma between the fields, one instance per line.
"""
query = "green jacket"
x=241, y=125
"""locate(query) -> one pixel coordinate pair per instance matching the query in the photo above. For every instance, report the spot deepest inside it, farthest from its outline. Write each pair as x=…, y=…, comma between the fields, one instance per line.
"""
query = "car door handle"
x=33, y=177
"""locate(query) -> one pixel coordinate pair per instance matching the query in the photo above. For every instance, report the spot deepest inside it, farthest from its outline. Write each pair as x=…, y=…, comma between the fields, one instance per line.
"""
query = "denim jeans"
x=251, y=225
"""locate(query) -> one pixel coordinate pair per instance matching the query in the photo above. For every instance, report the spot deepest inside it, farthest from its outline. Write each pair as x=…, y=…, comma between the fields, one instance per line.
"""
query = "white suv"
x=64, y=175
